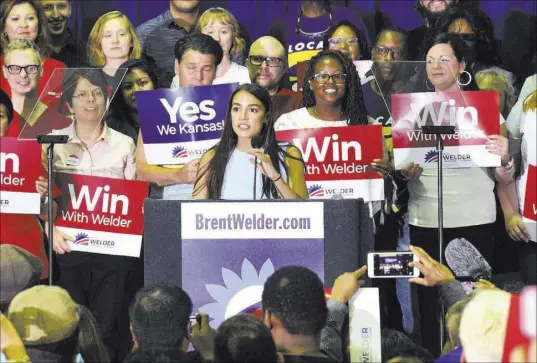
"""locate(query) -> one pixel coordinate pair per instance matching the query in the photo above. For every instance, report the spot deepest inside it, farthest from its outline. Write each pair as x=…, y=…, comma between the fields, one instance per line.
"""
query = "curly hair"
x=362, y=44
x=486, y=48
x=353, y=105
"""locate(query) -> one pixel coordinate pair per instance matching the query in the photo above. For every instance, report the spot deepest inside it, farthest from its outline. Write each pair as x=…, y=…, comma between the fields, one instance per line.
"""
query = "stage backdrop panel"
x=348, y=237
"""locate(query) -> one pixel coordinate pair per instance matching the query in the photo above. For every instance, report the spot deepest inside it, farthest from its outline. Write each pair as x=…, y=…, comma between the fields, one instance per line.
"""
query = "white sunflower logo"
x=238, y=294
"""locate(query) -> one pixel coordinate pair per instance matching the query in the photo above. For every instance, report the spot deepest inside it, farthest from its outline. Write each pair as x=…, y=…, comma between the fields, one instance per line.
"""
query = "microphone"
x=466, y=261
x=257, y=142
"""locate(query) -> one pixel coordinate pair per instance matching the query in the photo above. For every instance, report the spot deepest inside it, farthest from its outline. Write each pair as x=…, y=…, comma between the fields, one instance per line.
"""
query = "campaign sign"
x=230, y=249
x=475, y=115
x=338, y=159
x=20, y=167
x=103, y=215
x=529, y=212
x=179, y=125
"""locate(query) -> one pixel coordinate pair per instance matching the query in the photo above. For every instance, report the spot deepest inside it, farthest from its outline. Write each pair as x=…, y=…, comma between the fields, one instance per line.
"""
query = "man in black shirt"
x=64, y=46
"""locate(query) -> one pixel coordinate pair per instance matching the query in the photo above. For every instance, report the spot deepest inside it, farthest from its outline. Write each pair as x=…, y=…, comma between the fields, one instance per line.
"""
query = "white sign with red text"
x=475, y=115
x=338, y=160
x=103, y=215
x=20, y=167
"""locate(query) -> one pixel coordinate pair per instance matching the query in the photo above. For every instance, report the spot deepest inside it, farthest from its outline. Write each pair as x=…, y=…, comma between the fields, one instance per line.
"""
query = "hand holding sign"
x=187, y=174
x=41, y=185
x=411, y=171
x=383, y=167
x=264, y=165
x=61, y=241
x=498, y=145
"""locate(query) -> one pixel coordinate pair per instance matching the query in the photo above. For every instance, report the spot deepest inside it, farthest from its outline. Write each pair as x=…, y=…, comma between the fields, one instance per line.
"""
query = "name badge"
x=72, y=160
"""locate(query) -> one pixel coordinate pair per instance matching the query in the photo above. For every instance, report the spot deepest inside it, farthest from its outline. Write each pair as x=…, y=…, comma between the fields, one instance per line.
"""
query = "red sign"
x=20, y=167
x=530, y=198
x=475, y=115
x=103, y=215
x=340, y=157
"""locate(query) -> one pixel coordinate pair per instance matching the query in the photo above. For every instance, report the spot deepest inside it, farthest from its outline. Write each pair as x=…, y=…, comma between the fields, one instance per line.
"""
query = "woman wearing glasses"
x=22, y=71
x=222, y=26
x=332, y=95
x=475, y=28
x=24, y=19
x=97, y=281
x=346, y=38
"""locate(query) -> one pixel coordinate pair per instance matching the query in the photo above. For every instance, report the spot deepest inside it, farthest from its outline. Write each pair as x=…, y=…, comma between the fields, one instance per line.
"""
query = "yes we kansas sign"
x=179, y=125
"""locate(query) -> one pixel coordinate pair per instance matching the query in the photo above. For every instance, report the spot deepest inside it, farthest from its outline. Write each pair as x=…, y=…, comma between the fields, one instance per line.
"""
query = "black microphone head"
x=466, y=261
x=257, y=142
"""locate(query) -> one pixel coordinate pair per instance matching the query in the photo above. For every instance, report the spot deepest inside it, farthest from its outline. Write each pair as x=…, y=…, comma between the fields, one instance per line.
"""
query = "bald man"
x=267, y=64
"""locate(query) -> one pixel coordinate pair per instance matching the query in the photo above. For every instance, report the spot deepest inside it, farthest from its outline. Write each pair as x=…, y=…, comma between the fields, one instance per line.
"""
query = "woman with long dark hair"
x=225, y=170
x=331, y=95
x=123, y=114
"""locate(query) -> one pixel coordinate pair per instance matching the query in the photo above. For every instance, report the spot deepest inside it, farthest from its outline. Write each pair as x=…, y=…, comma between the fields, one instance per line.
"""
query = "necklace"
x=320, y=118
x=299, y=30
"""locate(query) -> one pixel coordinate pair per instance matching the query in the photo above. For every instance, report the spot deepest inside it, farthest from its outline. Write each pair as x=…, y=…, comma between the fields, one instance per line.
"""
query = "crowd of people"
x=99, y=310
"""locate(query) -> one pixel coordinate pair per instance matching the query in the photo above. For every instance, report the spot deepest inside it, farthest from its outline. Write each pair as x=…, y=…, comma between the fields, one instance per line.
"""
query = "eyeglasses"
x=29, y=69
x=85, y=95
x=465, y=37
x=383, y=51
x=322, y=78
x=346, y=41
x=257, y=60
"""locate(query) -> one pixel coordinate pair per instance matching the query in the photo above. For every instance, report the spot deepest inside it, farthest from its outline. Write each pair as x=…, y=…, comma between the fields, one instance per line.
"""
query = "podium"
x=348, y=237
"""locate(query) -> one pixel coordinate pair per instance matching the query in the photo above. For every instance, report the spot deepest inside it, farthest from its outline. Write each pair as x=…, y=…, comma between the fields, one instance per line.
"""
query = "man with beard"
x=65, y=47
x=377, y=86
x=430, y=10
x=267, y=64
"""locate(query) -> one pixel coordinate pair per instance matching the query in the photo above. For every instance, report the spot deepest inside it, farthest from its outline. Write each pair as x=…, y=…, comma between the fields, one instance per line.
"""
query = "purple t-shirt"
x=301, y=47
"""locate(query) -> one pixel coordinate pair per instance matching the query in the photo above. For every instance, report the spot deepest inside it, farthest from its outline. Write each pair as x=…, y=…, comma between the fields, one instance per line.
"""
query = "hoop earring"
x=427, y=81
x=469, y=79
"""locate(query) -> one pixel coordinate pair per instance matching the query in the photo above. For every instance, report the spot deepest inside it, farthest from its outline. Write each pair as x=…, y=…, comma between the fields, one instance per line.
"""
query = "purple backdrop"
x=257, y=15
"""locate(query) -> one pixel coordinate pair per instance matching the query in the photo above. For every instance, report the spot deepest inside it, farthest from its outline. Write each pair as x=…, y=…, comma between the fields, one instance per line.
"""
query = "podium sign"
x=230, y=249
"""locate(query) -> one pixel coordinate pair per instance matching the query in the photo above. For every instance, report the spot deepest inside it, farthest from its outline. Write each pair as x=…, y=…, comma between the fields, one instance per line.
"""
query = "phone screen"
x=393, y=265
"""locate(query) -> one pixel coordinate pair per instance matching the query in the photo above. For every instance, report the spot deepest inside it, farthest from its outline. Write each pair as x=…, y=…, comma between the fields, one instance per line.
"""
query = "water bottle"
x=337, y=194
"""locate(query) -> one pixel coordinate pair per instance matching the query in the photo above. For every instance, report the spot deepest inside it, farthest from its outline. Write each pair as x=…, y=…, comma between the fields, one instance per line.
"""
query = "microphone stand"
x=255, y=178
x=438, y=131
x=51, y=140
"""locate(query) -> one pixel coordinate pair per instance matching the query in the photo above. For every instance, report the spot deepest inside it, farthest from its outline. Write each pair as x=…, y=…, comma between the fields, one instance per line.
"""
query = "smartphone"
x=391, y=265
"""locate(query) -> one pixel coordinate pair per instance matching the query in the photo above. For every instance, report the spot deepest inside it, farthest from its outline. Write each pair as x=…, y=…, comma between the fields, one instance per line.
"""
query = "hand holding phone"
x=392, y=265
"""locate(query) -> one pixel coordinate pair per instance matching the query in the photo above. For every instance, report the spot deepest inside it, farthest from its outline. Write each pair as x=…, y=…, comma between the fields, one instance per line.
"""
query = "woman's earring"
x=71, y=117
x=469, y=79
x=427, y=81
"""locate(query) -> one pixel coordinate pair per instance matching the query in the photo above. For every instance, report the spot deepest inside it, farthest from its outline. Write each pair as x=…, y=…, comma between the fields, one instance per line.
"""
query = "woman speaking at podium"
x=227, y=170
